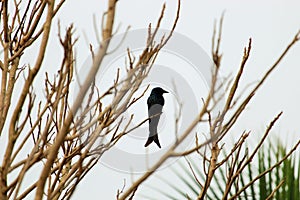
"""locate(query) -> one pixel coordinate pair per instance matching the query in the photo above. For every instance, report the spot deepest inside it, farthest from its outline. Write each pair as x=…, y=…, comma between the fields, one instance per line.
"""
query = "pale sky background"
x=270, y=24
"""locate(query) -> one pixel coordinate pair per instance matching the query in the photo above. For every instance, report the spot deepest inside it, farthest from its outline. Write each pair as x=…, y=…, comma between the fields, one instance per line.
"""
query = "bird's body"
x=155, y=104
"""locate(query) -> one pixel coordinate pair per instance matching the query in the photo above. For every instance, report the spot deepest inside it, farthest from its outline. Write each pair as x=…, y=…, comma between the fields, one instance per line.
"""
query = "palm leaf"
x=268, y=155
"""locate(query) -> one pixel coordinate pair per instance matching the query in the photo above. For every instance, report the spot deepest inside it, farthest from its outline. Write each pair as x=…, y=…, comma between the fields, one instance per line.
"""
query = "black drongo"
x=155, y=104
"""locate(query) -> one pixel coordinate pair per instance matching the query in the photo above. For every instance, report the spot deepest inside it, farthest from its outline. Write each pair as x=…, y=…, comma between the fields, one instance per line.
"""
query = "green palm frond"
x=190, y=173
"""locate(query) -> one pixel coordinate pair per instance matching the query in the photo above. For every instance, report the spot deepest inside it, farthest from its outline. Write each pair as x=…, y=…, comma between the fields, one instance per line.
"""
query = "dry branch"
x=67, y=140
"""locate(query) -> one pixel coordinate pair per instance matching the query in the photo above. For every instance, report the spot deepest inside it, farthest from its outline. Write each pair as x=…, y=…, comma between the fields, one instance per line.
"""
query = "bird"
x=155, y=104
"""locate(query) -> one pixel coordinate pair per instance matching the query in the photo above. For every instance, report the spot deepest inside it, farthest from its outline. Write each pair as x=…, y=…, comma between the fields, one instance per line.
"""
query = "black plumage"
x=155, y=104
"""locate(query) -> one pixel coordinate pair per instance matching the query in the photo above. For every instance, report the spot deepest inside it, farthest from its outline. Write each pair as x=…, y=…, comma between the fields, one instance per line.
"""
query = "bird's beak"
x=166, y=91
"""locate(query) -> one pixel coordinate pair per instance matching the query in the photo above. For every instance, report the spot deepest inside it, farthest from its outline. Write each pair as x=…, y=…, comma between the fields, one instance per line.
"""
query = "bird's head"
x=158, y=91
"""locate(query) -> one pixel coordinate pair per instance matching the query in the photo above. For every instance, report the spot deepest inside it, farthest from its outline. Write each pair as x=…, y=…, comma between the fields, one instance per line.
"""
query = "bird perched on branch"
x=155, y=104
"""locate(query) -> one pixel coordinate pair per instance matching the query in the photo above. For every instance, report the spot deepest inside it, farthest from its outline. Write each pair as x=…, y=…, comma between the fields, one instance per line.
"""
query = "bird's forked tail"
x=151, y=139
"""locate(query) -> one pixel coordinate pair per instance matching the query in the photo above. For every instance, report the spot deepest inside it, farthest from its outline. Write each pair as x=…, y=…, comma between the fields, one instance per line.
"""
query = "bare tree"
x=63, y=141
x=62, y=136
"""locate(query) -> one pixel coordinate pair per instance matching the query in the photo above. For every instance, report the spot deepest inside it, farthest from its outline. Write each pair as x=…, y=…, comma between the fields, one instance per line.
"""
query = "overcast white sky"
x=270, y=24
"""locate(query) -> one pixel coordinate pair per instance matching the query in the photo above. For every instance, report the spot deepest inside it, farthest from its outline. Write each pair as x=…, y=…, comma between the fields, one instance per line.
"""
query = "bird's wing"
x=154, y=114
x=150, y=101
x=155, y=104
